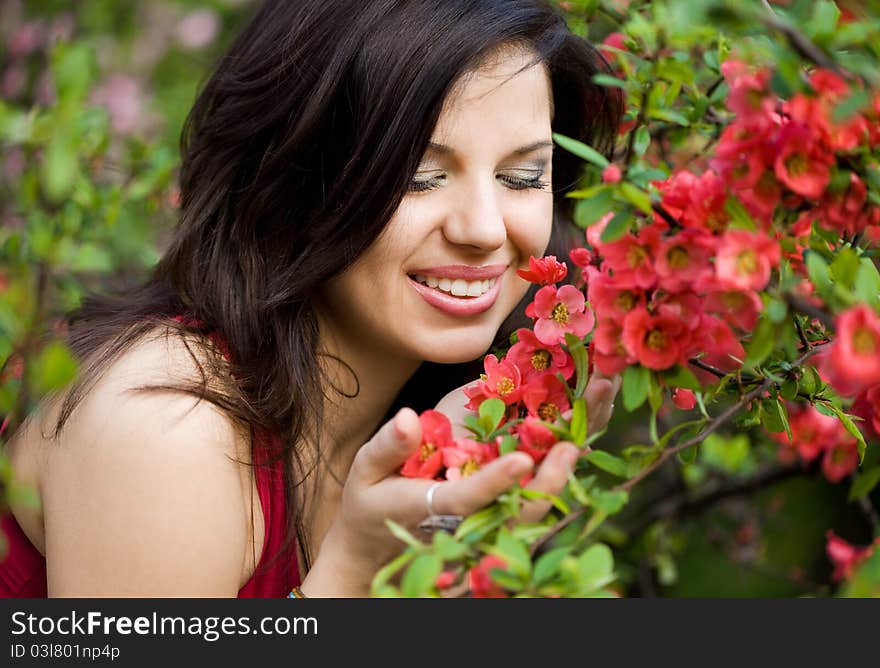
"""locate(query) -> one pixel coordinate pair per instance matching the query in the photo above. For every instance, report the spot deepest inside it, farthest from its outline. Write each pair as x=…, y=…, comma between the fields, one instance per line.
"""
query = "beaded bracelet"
x=296, y=592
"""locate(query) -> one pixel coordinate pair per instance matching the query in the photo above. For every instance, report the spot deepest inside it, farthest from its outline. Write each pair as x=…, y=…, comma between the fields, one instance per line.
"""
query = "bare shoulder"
x=144, y=493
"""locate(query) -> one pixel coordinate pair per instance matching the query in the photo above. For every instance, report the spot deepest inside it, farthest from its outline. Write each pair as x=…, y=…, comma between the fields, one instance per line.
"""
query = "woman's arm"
x=143, y=497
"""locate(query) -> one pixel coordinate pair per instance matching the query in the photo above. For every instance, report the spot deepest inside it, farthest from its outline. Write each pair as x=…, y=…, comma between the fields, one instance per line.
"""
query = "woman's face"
x=441, y=278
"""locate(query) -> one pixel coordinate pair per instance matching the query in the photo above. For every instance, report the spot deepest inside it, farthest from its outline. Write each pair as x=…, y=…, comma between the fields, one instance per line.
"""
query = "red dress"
x=23, y=568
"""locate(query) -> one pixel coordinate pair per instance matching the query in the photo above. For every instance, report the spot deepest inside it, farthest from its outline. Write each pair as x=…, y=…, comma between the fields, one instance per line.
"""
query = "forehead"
x=498, y=101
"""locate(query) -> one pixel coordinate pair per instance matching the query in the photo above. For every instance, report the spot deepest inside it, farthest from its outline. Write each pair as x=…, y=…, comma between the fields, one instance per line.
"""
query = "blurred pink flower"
x=26, y=39
x=122, y=97
x=197, y=29
x=13, y=82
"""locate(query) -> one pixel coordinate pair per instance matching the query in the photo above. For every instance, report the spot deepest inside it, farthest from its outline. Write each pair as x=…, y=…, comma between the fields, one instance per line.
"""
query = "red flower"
x=856, y=351
x=654, y=340
x=480, y=580
x=840, y=460
x=545, y=397
x=611, y=174
x=745, y=260
x=535, y=358
x=581, y=257
x=844, y=556
x=684, y=399
x=683, y=260
x=427, y=461
x=502, y=380
x=465, y=457
x=867, y=406
x=560, y=311
x=802, y=163
x=534, y=438
x=544, y=271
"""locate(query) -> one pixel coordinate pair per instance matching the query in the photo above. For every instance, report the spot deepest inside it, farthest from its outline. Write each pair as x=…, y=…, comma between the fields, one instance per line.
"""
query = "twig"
x=871, y=514
x=803, y=337
x=706, y=367
x=802, y=44
x=806, y=307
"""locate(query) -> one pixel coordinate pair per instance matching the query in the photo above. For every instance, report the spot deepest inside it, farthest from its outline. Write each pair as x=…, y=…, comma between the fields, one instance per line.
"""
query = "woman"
x=350, y=171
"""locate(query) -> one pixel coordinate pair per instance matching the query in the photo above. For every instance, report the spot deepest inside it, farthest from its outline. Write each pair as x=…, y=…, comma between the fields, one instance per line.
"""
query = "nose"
x=476, y=219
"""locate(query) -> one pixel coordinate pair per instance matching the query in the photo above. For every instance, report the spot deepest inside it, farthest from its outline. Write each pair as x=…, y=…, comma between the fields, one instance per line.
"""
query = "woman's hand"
x=358, y=542
x=599, y=393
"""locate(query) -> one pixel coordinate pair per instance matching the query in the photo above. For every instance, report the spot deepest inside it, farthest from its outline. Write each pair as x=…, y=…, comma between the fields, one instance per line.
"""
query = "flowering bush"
x=730, y=276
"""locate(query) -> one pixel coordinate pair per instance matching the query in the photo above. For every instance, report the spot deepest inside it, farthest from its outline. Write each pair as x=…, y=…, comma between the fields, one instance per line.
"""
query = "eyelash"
x=514, y=183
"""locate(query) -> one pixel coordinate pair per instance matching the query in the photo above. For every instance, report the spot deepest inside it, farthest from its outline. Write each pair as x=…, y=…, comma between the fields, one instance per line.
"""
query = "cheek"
x=532, y=226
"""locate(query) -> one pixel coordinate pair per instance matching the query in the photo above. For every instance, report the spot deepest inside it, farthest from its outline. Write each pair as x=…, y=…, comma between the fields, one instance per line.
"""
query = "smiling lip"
x=459, y=306
x=463, y=271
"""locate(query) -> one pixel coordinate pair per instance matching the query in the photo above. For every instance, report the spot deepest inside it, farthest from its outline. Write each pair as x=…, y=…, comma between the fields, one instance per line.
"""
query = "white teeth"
x=475, y=289
x=459, y=287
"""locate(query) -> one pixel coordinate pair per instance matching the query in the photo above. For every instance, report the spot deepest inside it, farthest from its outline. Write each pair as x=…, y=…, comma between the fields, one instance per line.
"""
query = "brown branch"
x=801, y=44
x=808, y=308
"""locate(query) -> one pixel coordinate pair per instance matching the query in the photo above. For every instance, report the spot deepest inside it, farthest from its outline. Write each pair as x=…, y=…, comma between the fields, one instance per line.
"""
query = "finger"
x=470, y=494
x=386, y=452
x=600, y=400
x=551, y=478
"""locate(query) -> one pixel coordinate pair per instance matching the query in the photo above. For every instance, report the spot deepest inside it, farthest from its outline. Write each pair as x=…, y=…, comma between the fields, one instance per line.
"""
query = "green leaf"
x=588, y=211
x=60, y=168
x=595, y=567
x=636, y=383
x=473, y=424
x=447, y=548
x=578, y=352
x=670, y=116
x=618, y=226
x=508, y=445
x=548, y=564
x=867, y=282
x=681, y=376
x=558, y=503
x=608, y=81
x=609, y=502
x=388, y=571
x=53, y=367
x=642, y=140
x=848, y=424
x=581, y=150
x=864, y=483
x=513, y=552
x=636, y=196
x=419, y=578
x=845, y=267
x=402, y=534
x=762, y=343
x=491, y=414
x=609, y=463
x=579, y=421
x=818, y=271
x=475, y=526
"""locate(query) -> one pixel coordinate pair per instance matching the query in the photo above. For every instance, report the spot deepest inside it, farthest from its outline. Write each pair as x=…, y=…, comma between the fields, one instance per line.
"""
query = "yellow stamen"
x=548, y=411
x=864, y=342
x=560, y=313
x=504, y=387
x=656, y=340
x=541, y=360
x=469, y=468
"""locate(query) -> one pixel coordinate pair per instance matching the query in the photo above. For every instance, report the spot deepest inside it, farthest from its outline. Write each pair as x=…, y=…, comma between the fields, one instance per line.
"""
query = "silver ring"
x=429, y=498
x=435, y=522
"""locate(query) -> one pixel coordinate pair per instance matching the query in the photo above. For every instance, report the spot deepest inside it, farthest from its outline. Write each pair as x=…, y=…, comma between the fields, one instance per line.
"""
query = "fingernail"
x=571, y=456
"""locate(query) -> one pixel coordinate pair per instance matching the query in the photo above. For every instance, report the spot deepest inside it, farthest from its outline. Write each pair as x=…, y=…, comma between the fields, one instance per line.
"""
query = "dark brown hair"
x=296, y=154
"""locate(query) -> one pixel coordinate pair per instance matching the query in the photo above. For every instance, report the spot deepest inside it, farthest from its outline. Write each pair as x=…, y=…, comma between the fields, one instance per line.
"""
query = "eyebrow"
x=523, y=150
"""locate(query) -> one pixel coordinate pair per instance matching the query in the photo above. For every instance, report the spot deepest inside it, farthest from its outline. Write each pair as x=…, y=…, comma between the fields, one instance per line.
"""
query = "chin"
x=458, y=347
